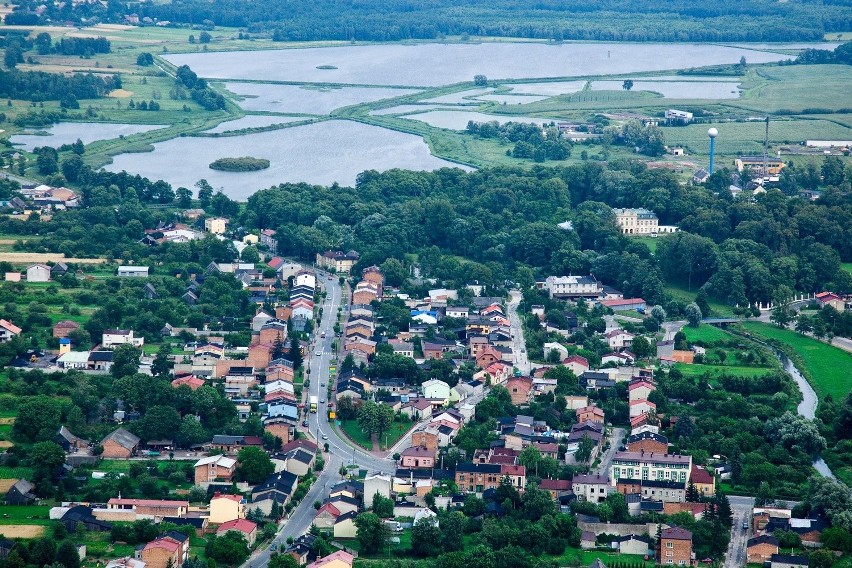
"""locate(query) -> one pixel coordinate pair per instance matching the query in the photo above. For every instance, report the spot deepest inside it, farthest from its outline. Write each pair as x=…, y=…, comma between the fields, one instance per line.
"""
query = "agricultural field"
x=829, y=368
x=705, y=334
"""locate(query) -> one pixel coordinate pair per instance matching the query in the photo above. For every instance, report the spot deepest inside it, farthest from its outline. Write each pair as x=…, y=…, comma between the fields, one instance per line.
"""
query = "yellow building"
x=216, y=225
x=636, y=221
x=755, y=164
x=224, y=508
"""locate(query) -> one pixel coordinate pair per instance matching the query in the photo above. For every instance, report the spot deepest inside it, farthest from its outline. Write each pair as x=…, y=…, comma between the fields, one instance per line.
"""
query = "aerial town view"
x=406, y=284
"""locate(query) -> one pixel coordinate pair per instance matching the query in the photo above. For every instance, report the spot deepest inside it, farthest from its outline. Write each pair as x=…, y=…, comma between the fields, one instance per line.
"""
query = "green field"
x=649, y=242
x=24, y=515
x=847, y=266
x=697, y=370
x=356, y=435
x=705, y=333
x=681, y=294
x=830, y=368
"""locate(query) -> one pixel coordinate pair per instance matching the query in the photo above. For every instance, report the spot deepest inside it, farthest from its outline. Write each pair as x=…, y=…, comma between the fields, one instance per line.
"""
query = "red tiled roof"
x=168, y=543
x=242, y=525
x=555, y=484
x=148, y=502
x=676, y=533
x=616, y=303
x=507, y=469
x=700, y=475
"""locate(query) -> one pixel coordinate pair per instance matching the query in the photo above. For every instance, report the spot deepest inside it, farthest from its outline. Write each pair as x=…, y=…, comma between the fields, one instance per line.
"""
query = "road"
x=340, y=452
x=615, y=439
x=519, y=348
x=671, y=328
x=741, y=508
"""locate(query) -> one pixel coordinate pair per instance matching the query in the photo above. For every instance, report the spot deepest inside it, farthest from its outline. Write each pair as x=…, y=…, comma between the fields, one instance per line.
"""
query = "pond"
x=253, y=121
x=677, y=89
x=434, y=64
x=305, y=99
x=457, y=120
x=550, y=89
x=510, y=99
x=88, y=132
x=321, y=153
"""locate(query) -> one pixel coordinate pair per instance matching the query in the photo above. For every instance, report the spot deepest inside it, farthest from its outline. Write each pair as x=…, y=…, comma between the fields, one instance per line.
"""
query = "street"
x=741, y=508
x=340, y=452
x=519, y=348
x=615, y=439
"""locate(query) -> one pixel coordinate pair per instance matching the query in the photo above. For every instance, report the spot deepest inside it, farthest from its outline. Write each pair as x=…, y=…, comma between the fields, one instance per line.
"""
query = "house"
x=678, y=116
x=113, y=337
x=633, y=544
x=635, y=304
x=700, y=176
x=338, y=261
x=344, y=525
x=404, y=348
x=64, y=327
x=639, y=407
x=132, y=272
x=68, y=441
x=592, y=488
x=153, y=507
x=830, y=299
x=267, y=239
x=233, y=444
x=417, y=409
x=21, y=493
x=519, y=389
x=460, y=312
x=571, y=287
x=675, y=547
x=761, y=548
x=163, y=552
x=376, y=484
x=555, y=487
x=215, y=469
x=636, y=222
x=299, y=462
x=326, y=516
x=436, y=389
x=594, y=380
x=703, y=480
x=216, y=225
x=339, y=559
x=192, y=382
x=653, y=466
x=573, y=402
x=125, y=562
x=587, y=540
x=276, y=489
x=590, y=414
x=788, y=561
x=755, y=164
x=622, y=358
x=242, y=526
x=476, y=477
x=619, y=339
x=640, y=389
x=120, y=444
x=647, y=442
x=38, y=273
x=8, y=331
x=225, y=507
x=417, y=457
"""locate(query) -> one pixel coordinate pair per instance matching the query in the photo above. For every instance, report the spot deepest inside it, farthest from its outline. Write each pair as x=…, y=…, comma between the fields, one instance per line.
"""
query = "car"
x=322, y=384
x=322, y=401
x=324, y=437
x=273, y=547
x=318, y=354
x=330, y=277
x=745, y=526
x=305, y=423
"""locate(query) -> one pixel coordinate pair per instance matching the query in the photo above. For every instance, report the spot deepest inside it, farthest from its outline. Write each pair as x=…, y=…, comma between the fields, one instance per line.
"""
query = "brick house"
x=476, y=477
x=64, y=327
x=647, y=442
x=761, y=548
x=423, y=438
x=154, y=507
x=120, y=444
x=161, y=553
x=215, y=468
x=242, y=526
x=577, y=363
x=555, y=487
x=418, y=457
x=519, y=388
x=590, y=414
x=675, y=547
x=487, y=356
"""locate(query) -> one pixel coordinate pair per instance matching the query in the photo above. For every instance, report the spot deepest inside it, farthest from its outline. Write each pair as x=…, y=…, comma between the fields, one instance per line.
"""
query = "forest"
x=394, y=20
x=41, y=86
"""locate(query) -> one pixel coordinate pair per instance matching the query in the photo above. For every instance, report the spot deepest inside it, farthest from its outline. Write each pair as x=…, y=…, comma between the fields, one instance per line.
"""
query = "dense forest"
x=615, y=20
x=40, y=86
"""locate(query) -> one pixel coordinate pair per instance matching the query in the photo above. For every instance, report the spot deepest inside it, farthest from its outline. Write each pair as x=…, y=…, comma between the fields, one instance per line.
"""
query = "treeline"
x=841, y=54
x=612, y=20
x=83, y=46
x=41, y=86
x=531, y=140
x=199, y=90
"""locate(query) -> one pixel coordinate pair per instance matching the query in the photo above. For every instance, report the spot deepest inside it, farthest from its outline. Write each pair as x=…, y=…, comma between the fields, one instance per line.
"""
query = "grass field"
x=681, y=294
x=15, y=515
x=829, y=367
x=649, y=242
x=355, y=434
x=847, y=266
x=705, y=333
x=716, y=370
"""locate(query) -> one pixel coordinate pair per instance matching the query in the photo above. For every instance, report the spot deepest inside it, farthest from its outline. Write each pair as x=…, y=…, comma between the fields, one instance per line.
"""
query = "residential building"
x=242, y=526
x=339, y=559
x=619, y=339
x=8, y=331
x=163, y=552
x=761, y=548
x=675, y=547
x=634, y=544
x=436, y=389
x=476, y=477
x=636, y=221
x=703, y=480
x=338, y=261
x=132, y=272
x=636, y=304
x=114, y=337
x=555, y=487
x=38, y=273
x=571, y=286
x=233, y=444
x=374, y=484
x=120, y=444
x=417, y=457
x=519, y=389
x=650, y=466
x=344, y=525
x=267, y=239
x=590, y=414
x=216, y=225
x=326, y=516
x=592, y=488
x=647, y=442
x=678, y=116
x=153, y=507
x=224, y=508
x=63, y=328
x=640, y=407
x=830, y=299
x=755, y=164
x=788, y=561
x=215, y=469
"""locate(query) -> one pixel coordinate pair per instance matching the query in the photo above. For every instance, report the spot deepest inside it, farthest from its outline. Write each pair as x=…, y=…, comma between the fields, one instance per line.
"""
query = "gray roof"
x=123, y=438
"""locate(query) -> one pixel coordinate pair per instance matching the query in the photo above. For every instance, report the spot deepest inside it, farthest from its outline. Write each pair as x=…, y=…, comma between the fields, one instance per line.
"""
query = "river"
x=807, y=407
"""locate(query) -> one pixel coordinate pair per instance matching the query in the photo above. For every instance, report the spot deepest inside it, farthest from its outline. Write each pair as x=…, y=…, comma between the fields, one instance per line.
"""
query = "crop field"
x=793, y=87
x=21, y=531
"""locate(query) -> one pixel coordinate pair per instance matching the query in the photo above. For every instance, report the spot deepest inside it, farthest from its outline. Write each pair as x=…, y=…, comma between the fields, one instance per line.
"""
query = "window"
x=669, y=561
x=669, y=545
x=669, y=553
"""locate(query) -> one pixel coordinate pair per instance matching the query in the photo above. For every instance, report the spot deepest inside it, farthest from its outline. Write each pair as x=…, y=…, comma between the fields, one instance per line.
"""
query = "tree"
x=473, y=506
x=205, y=193
x=125, y=361
x=382, y=506
x=375, y=418
x=204, y=37
x=184, y=197
x=821, y=558
x=38, y=419
x=282, y=561
x=159, y=422
x=295, y=353
x=795, y=432
x=231, y=548
x=627, y=85
x=658, y=313
x=67, y=554
x=426, y=537
x=480, y=80
x=254, y=465
x=642, y=348
x=346, y=408
x=584, y=450
x=162, y=365
x=693, y=314
x=372, y=533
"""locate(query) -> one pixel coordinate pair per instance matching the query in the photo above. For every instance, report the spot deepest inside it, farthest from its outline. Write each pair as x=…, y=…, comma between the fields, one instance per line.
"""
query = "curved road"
x=340, y=451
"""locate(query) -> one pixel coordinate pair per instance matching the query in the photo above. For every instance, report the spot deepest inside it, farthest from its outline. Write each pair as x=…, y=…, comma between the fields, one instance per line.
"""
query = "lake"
x=403, y=109
x=677, y=89
x=88, y=132
x=300, y=99
x=457, y=120
x=436, y=64
x=321, y=153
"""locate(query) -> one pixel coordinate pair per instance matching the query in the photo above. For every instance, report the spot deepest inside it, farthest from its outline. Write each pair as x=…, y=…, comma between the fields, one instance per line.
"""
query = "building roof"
x=477, y=468
x=167, y=543
x=789, y=559
x=241, y=525
x=340, y=555
x=418, y=451
x=700, y=475
x=593, y=479
x=762, y=539
x=6, y=324
x=555, y=484
x=652, y=457
x=618, y=303
x=676, y=533
x=123, y=438
x=148, y=502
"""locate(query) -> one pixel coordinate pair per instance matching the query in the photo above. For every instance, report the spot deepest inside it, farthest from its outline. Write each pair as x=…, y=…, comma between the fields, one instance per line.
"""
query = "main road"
x=519, y=348
x=340, y=452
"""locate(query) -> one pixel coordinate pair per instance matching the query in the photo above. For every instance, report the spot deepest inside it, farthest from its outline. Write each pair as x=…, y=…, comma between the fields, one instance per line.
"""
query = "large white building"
x=572, y=286
x=113, y=337
x=651, y=466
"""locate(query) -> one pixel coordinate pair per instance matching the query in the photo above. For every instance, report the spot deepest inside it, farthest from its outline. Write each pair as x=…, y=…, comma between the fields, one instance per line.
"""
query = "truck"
x=313, y=404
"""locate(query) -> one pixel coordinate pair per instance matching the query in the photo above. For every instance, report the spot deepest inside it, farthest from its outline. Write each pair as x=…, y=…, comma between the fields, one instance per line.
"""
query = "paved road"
x=340, y=451
x=519, y=348
x=671, y=328
x=615, y=439
x=741, y=508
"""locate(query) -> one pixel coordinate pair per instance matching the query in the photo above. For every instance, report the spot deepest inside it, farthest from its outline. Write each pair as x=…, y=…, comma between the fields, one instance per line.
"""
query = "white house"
x=113, y=337
x=133, y=271
x=618, y=339
x=558, y=347
x=259, y=320
x=640, y=407
x=8, y=331
x=457, y=311
x=436, y=389
x=425, y=318
x=278, y=385
x=308, y=279
x=38, y=273
x=572, y=286
x=379, y=483
x=74, y=360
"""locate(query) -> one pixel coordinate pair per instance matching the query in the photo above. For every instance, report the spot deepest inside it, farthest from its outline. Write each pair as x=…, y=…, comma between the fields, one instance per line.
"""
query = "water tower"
x=712, y=133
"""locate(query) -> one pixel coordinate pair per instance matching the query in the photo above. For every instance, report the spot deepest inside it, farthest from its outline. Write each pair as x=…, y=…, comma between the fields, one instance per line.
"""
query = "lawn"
x=830, y=368
x=847, y=266
x=16, y=472
x=24, y=515
x=681, y=294
x=716, y=370
x=650, y=242
x=706, y=334
x=574, y=557
x=356, y=435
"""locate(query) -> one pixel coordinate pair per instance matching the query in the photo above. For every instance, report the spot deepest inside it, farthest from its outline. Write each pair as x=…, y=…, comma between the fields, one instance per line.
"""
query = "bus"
x=313, y=404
